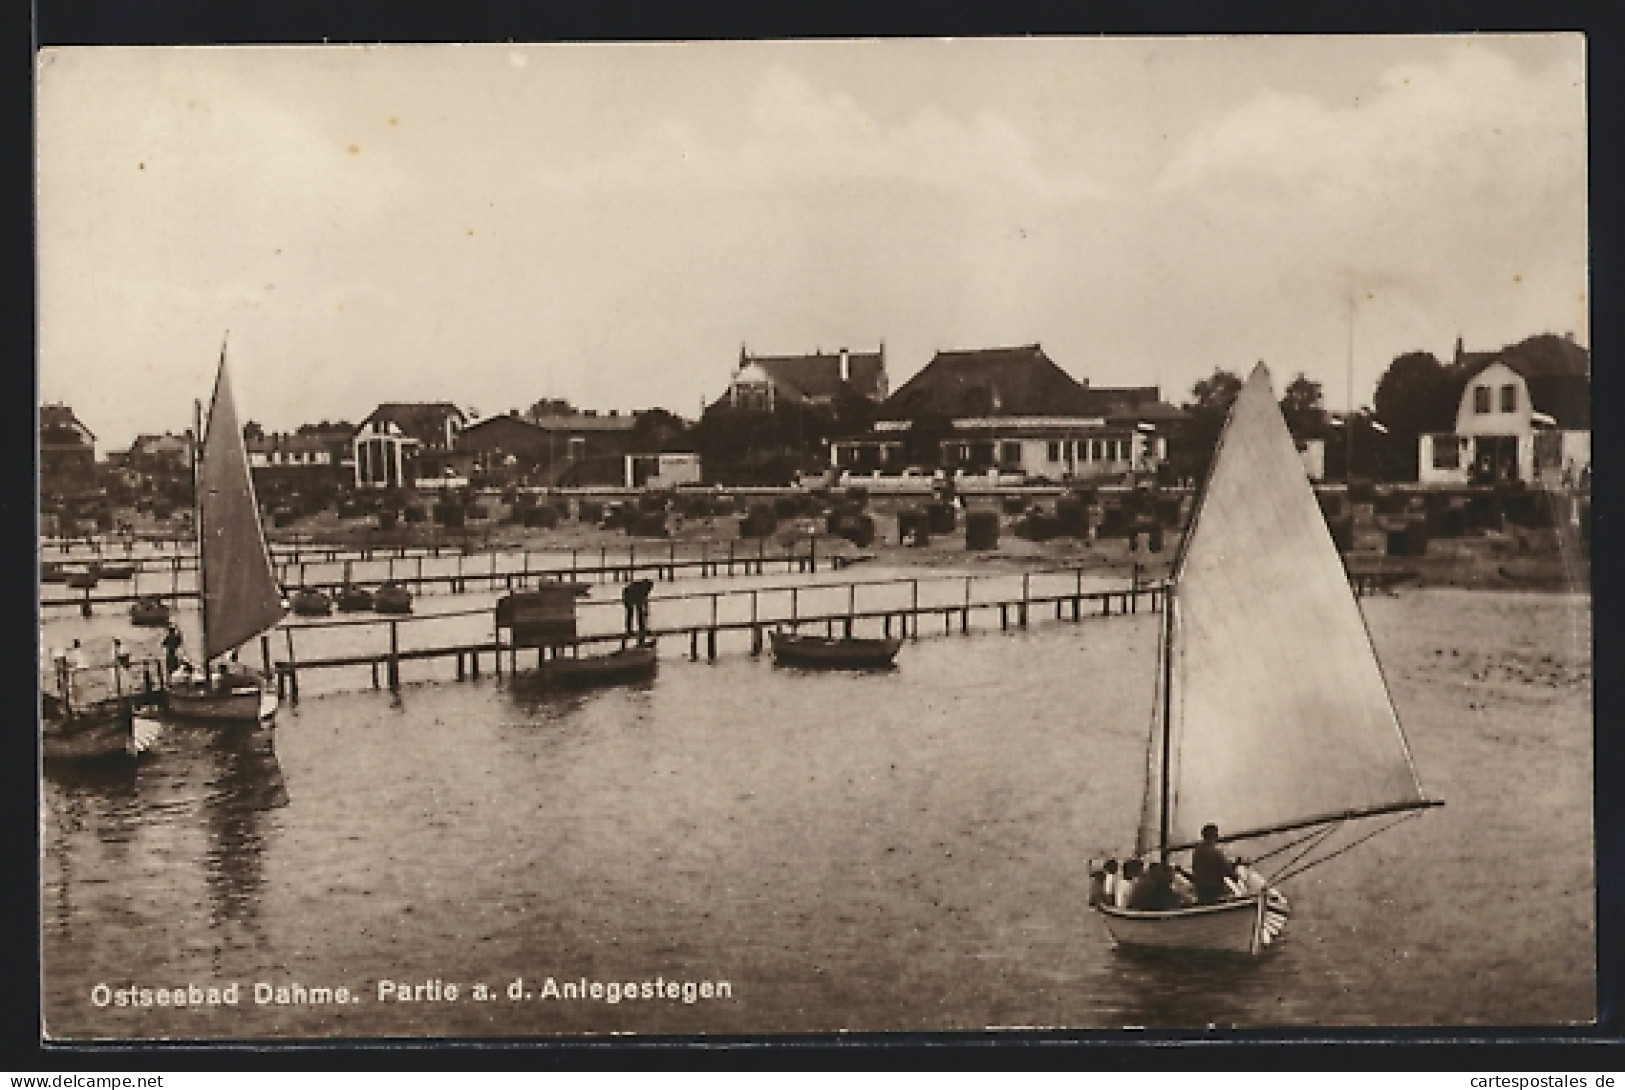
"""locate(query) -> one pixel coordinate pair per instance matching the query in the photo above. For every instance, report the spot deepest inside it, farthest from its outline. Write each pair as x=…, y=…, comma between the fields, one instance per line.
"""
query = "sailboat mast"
x=1167, y=713
x=197, y=520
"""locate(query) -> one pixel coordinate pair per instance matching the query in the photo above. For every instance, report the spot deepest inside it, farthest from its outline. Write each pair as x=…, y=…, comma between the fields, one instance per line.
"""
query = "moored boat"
x=580, y=590
x=116, y=734
x=149, y=611
x=1272, y=721
x=309, y=602
x=112, y=571
x=392, y=598
x=51, y=571
x=241, y=598
x=353, y=599
x=230, y=695
x=80, y=578
x=114, y=726
x=627, y=664
x=849, y=653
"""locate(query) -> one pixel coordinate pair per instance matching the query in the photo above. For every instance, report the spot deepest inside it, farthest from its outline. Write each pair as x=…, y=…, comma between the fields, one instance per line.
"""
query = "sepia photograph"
x=912, y=535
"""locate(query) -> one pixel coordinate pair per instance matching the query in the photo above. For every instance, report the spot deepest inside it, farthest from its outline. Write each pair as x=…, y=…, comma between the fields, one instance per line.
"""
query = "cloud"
x=1471, y=131
x=799, y=135
x=1451, y=199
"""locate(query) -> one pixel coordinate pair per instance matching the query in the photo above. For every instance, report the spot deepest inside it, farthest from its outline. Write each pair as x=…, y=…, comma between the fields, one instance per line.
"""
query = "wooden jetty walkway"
x=476, y=570
x=911, y=620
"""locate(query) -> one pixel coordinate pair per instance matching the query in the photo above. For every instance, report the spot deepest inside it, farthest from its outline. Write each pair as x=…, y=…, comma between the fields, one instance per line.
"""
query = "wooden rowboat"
x=791, y=649
x=246, y=697
x=392, y=598
x=111, y=732
x=354, y=600
x=110, y=728
x=627, y=664
x=149, y=612
x=311, y=603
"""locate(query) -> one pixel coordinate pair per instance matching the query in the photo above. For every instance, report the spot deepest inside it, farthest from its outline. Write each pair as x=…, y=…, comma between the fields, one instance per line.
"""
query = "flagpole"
x=1348, y=423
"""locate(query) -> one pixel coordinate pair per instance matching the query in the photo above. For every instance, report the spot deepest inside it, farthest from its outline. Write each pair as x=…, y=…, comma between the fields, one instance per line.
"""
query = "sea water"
x=737, y=847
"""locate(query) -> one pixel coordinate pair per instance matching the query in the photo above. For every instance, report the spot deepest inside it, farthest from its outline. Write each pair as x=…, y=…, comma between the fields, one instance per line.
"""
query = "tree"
x=550, y=406
x=1302, y=407
x=1413, y=396
x=924, y=438
x=655, y=430
x=1191, y=448
x=1214, y=393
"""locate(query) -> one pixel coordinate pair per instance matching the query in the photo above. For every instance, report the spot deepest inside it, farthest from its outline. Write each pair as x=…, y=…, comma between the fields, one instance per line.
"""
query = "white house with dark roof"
x=1521, y=414
x=401, y=444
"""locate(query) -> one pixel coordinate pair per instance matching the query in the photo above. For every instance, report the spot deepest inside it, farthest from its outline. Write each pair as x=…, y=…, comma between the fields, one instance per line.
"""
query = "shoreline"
x=1485, y=561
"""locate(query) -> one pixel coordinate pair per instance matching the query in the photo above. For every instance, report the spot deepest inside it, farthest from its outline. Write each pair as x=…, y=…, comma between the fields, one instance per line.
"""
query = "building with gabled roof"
x=555, y=444
x=403, y=443
x=766, y=382
x=1522, y=413
x=989, y=382
x=67, y=449
x=1014, y=410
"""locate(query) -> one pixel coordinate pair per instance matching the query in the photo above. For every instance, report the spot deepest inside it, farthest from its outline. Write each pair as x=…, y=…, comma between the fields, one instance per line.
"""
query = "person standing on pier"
x=172, y=649
x=635, y=600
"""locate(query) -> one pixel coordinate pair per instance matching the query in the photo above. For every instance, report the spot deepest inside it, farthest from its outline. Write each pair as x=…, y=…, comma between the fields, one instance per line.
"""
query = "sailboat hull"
x=1243, y=926
x=241, y=705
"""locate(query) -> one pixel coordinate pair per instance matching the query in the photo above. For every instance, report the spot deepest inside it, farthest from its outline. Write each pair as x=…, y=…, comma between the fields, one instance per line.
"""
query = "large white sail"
x=241, y=598
x=1278, y=714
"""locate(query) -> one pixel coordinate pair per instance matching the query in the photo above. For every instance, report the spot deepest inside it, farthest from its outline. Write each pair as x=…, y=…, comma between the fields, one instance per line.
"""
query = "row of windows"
x=1093, y=450
x=1482, y=398
x=297, y=457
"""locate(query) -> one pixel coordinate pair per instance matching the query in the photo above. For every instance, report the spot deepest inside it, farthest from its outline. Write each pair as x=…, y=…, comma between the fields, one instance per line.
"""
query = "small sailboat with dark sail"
x=241, y=598
x=1272, y=719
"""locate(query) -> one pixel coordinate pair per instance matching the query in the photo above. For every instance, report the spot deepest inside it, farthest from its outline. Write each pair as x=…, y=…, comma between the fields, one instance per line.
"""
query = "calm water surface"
x=898, y=851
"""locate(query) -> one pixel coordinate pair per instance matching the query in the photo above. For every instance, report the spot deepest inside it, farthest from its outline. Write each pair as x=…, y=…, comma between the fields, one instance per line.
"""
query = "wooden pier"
x=483, y=570
x=702, y=636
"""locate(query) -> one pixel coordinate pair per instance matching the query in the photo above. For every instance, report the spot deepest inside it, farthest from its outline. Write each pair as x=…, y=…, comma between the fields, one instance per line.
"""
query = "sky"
x=610, y=223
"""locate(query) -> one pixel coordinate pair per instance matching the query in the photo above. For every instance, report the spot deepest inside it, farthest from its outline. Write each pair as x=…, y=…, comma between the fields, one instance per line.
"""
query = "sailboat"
x=1272, y=719
x=241, y=598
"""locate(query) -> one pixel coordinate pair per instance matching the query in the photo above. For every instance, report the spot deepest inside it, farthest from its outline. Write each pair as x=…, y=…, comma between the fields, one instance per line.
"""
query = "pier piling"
x=394, y=657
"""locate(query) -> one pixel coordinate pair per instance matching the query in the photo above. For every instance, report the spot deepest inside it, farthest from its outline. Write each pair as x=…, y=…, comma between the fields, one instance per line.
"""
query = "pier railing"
x=497, y=569
x=902, y=606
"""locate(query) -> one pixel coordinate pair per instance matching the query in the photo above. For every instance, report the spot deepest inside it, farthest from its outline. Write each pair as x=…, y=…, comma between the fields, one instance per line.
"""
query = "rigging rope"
x=1316, y=839
x=1286, y=847
x=1346, y=847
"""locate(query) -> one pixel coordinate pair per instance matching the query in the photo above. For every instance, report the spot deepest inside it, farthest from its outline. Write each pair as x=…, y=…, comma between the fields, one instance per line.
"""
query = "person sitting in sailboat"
x=1210, y=868
x=1155, y=891
x=1123, y=891
x=1098, y=882
x=1109, y=881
